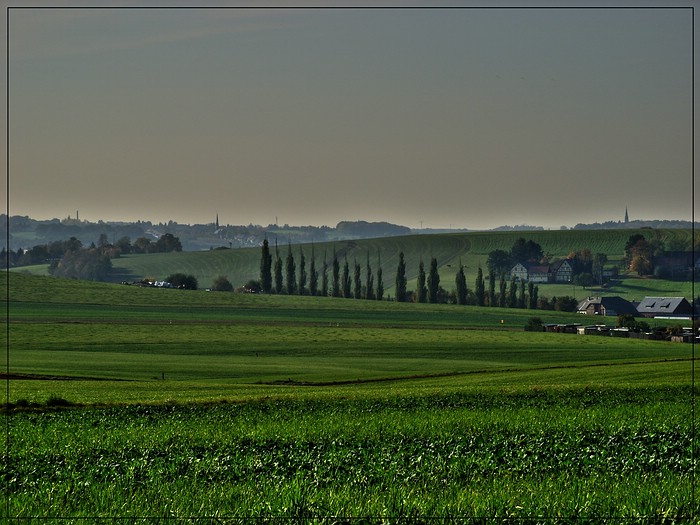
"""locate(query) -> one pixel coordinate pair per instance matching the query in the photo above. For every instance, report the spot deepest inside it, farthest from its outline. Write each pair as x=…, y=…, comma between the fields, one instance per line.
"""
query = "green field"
x=139, y=403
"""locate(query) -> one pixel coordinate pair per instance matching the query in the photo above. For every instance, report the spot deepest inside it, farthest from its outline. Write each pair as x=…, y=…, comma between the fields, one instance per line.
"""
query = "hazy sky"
x=469, y=118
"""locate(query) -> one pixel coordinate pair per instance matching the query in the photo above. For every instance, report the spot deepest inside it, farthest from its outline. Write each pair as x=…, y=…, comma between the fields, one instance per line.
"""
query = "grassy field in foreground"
x=156, y=341
x=169, y=406
x=551, y=455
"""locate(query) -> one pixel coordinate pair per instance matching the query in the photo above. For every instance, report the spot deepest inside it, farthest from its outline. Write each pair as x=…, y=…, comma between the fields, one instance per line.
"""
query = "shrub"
x=222, y=284
x=56, y=401
x=180, y=280
x=534, y=324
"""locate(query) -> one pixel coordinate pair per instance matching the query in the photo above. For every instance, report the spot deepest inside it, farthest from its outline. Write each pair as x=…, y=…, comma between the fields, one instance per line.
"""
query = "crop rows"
x=598, y=453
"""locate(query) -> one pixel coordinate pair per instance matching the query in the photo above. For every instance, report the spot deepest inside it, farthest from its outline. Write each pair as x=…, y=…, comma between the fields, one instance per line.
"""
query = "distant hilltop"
x=26, y=232
x=614, y=225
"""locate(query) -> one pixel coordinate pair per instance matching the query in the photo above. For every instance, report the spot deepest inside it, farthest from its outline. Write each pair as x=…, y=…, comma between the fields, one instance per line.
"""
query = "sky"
x=452, y=117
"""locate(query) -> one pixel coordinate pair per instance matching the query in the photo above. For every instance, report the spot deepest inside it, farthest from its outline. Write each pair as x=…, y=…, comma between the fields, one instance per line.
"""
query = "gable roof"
x=613, y=305
x=664, y=305
x=559, y=264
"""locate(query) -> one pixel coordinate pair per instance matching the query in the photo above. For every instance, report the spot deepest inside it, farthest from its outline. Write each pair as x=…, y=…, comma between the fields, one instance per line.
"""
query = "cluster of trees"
x=84, y=263
x=71, y=259
x=587, y=267
x=54, y=251
x=284, y=277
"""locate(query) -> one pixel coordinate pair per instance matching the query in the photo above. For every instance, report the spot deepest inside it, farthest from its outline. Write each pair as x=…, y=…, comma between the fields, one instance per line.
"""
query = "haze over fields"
x=430, y=118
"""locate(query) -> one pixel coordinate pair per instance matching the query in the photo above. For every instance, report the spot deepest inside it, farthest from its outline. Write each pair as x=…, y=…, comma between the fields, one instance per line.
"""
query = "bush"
x=56, y=401
x=534, y=324
x=222, y=284
x=180, y=280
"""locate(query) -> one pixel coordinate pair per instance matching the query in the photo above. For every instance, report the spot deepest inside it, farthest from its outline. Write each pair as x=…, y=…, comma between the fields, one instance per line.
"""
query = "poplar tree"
x=433, y=282
x=461, y=284
x=380, y=282
x=479, y=290
x=347, y=283
x=266, y=268
x=521, y=298
x=324, y=277
x=358, y=281
x=492, y=288
x=513, y=293
x=302, y=273
x=421, y=290
x=291, y=272
x=369, y=294
x=531, y=296
x=400, y=280
x=278, y=271
x=335, y=271
x=313, y=274
x=502, y=295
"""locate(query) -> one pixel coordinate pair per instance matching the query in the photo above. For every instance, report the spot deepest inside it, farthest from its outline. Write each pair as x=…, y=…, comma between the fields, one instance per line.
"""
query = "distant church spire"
x=217, y=221
x=627, y=217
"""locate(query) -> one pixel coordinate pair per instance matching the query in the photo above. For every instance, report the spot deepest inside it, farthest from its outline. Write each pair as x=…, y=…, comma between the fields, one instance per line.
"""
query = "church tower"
x=627, y=217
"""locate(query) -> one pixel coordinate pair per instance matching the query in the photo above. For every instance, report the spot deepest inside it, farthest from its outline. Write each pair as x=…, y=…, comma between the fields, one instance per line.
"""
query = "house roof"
x=614, y=303
x=664, y=305
x=559, y=263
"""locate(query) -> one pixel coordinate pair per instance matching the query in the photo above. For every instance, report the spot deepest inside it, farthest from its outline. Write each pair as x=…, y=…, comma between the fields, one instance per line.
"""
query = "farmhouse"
x=559, y=272
x=674, y=307
x=538, y=274
x=519, y=272
x=606, y=306
x=562, y=271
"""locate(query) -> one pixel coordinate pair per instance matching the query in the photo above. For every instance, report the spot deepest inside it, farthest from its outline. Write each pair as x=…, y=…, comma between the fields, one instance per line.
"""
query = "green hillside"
x=472, y=249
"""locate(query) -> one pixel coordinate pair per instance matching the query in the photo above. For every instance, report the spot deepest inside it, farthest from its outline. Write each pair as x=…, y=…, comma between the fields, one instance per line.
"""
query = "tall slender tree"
x=461, y=285
x=479, y=291
x=358, y=280
x=279, y=279
x=369, y=293
x=433, y=281
x=521, y=297
x=301, y=289
x=502, y=294
x=400, y=280
x=531, y=296
x=313, y=274
x=291, y=272
x=380, y=281
x=266, y=268
x=335, y=272
x=347, y=283
x=421, y=290
x=513, y=293
x=492, y=288
x=324, y=277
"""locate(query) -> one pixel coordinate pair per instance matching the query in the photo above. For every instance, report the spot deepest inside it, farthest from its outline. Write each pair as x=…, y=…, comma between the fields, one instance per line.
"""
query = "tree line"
x=71, y=259
x=285, y=277
x=336, y=278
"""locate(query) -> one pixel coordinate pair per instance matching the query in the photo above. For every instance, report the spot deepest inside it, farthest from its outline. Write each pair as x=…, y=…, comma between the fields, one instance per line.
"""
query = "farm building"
x=559, y=272
x=562, y=271
x=677, y=307
x=606, y=306
x=519, y=272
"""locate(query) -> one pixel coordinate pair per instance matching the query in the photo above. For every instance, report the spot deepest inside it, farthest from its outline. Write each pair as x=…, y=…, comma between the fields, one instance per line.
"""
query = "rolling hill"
x=469, y=248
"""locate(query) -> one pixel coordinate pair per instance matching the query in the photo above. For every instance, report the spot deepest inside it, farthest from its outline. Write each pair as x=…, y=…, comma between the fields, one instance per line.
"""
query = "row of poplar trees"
x=284, y=277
